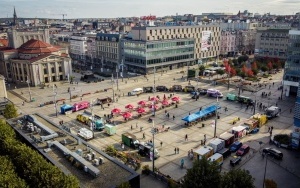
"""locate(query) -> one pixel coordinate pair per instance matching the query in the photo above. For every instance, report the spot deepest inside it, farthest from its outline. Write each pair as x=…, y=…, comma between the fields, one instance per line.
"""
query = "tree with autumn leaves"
x=229, y=69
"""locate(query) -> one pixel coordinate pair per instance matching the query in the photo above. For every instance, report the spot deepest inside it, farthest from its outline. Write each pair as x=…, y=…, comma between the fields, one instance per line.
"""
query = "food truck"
x=204, y=151
x=80, y=106
x=228, y=138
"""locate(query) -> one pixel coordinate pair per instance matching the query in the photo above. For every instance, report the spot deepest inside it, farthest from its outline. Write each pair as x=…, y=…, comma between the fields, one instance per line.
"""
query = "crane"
x=63, y=15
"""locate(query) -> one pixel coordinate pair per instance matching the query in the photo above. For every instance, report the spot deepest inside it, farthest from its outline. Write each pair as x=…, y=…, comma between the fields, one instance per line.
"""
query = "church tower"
x=15, y=17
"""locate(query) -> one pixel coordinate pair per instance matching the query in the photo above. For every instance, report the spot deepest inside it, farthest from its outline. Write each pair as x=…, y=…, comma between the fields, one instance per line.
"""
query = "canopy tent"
x=116, y=111
x=200, y=114
x=129, y=106
x=142, y=103
x=64, y=108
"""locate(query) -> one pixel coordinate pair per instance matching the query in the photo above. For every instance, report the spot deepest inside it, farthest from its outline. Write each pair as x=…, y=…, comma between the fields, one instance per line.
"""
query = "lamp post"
x=28, y=82
x=55, y=103
x=154, y=88
x=265, y=169
x=162, y=60
x=215, y=130
x=153, y=151
x=117, y=70
x=113, y=90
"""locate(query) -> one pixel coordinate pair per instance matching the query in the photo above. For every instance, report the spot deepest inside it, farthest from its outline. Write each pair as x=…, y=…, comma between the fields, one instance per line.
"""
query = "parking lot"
x=169, y=162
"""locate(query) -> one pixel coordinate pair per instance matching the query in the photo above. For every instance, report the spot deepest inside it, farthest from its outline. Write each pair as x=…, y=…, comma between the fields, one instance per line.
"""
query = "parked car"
x=161, y=88
x=202, y=91
x=243, y=150
x=177, y=88
x=273, y=153
x=235, y=160
x=235, y=146
x=189, y=88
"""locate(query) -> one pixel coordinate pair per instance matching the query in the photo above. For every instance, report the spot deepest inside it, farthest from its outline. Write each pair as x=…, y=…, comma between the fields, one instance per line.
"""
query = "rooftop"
x=34, y=46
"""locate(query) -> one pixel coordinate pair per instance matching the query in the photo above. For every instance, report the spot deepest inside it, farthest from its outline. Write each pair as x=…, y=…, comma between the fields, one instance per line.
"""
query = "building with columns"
x=35, y=62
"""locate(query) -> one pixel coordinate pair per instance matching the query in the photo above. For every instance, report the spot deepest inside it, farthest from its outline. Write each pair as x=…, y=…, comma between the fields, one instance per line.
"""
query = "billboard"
x=206, y=40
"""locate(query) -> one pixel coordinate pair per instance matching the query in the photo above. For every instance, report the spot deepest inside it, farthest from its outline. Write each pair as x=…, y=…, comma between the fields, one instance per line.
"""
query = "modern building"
x=207, y=37
x=78, y=47
x=228, y=43
x=18, y=37
x=35, y=62
x=108, y=47
x=145, y=56
x=292, y=66
x=272, y=42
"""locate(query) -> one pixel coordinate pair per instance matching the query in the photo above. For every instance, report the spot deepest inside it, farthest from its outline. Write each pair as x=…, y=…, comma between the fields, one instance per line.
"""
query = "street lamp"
x=153, y=151
x=28, y=82
x=265, y=169
x=162, y=60
x=113, y=89
x=154, y=88
x=215, y=131
x=55, y=103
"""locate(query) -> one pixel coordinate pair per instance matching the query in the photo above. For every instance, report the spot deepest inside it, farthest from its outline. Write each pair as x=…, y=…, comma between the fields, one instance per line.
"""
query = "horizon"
x=89, y=9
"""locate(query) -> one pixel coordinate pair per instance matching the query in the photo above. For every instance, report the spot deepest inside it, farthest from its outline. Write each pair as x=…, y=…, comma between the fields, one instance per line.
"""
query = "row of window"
x=182, y=30
x=105, y=49
x=169, y=44
x=158, y=60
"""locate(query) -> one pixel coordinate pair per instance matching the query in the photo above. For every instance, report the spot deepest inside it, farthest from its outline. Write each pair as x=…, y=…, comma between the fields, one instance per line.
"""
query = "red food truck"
x=80, y=106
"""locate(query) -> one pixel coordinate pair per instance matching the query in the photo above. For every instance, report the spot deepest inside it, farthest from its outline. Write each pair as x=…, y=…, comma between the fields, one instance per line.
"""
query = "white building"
x=78, y=47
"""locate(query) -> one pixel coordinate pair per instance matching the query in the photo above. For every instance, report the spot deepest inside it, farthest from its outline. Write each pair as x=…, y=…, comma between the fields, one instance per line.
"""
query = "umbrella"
x=175, y=99
x=154, y=99
x=141, y=110
x=116, y=111
x=142, y=103
x=165, y=102
x=127, y=115
x=129, y=106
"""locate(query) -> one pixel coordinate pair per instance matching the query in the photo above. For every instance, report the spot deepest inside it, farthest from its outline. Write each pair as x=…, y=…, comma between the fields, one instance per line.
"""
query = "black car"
x=235, y=160
x=177, y=88
x=202, y=91
x=148, y=89
x=189, y=88
x=161, y=88
x=273, y=153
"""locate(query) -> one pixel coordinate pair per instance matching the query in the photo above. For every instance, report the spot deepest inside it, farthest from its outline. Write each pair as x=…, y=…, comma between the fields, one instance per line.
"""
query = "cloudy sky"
x=126, y=8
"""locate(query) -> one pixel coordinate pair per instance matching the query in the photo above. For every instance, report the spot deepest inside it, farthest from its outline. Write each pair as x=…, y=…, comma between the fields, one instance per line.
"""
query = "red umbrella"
x=154, y=99
x=127, y=115
x=116, y=111
x=129, y=106
x=175, y=99
x=165, y=102
x=142, y=103
x=141, y=110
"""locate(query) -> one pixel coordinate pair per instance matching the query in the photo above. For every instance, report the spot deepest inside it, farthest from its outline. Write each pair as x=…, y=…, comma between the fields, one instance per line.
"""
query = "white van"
x=214, y=93
x=136, y=91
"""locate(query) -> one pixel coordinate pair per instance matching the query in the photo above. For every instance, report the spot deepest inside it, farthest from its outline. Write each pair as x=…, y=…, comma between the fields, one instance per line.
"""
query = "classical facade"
x=35, y=62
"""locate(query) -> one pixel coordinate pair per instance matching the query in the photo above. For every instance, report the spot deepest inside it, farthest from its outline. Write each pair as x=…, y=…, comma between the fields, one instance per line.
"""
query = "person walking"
x=186, y=137
x=173, y=117
x=144, y=137
x=161, y=143
x=131, y=127
x=182, y=163
x=177, y=150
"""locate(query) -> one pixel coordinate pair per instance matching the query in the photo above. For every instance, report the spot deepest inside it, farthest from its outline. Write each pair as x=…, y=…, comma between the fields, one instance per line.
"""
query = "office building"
x=272, y=42
x=206, y=37
x=143, y=56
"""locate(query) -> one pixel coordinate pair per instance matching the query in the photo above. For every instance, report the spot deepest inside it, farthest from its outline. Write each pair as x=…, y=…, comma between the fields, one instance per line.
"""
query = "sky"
x=129, y=8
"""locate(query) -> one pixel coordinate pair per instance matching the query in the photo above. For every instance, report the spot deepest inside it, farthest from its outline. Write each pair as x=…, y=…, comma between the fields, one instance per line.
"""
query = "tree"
x=124, y=185
x=201, y=70
x=10, y=111
x=250, y=73
x=243, y=58
x=220, y=72
x=264, y=68
x=254, y=66
x=202, y=174
x=270, y=66
x=244, y=69
x=270, y=183
x=237, y=178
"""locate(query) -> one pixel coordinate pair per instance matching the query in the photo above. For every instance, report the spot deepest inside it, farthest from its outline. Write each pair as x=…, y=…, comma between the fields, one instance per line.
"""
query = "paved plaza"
x=169, y=162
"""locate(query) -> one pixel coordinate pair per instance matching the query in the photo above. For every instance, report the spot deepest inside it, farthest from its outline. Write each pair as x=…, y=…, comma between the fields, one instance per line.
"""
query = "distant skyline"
x=129, y=8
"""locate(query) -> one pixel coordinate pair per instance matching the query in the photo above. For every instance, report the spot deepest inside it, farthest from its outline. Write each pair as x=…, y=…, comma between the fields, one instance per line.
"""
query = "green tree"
x=264, y=68
x=202, y=174
x=201, y=70
x=220, y=72
x=242, y=58
x=270, y=183
x=8, y=176
x=237, y=178
x=10, y=111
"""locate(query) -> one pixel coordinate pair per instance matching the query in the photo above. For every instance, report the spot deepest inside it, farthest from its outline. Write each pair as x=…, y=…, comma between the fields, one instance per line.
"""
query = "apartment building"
x=228, y=43
x=272, y=42
x=245, y=41
x=78, y=47
x=108, y=47
x=161, y=55
x=207, y=37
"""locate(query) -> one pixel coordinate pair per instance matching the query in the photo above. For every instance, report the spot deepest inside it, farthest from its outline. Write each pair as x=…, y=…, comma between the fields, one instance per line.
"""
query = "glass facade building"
x=143, y=56
x=292, y=66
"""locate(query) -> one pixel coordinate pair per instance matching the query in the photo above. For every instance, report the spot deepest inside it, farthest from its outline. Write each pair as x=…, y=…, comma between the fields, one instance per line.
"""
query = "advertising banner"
x=206, y=40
